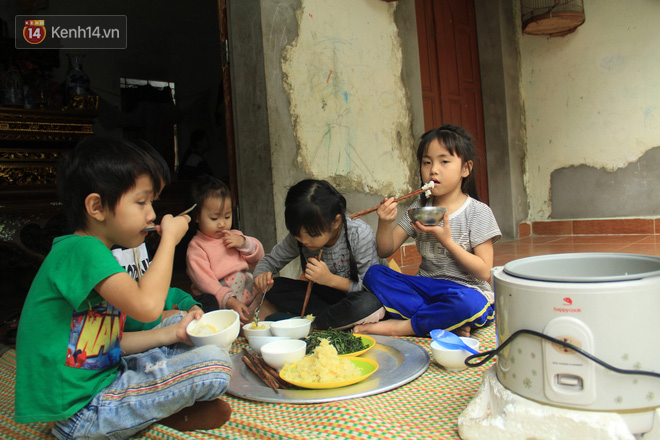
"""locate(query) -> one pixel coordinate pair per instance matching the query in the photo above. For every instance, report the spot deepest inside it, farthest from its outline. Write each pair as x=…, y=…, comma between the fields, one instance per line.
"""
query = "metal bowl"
x=428, y=215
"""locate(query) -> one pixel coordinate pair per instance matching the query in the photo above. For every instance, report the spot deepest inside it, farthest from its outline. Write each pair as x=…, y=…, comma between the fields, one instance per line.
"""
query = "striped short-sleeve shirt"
x=472, y=224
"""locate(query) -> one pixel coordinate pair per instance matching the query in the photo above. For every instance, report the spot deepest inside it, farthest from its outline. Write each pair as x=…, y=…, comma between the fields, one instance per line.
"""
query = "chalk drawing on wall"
x=348, y=103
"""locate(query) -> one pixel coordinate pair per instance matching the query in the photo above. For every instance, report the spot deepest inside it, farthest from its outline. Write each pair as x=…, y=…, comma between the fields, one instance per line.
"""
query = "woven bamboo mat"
x=426, y=408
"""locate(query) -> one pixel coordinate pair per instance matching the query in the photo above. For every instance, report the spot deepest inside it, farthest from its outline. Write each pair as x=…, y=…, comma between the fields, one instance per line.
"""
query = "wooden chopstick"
x=272, y=372
x=265, y=372
x=373, y=208
x=259, y=372
x=309, y=289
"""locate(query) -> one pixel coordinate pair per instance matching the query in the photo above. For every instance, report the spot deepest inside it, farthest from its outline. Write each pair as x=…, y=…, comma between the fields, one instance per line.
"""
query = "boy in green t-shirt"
x=76, y=366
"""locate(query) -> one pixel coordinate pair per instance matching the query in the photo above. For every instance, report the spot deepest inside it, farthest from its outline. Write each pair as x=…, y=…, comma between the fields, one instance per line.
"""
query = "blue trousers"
x=429, y=303
x=149, y=387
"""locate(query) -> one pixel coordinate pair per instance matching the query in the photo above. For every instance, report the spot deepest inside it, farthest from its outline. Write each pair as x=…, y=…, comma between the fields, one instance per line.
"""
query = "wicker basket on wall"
x=554, y=18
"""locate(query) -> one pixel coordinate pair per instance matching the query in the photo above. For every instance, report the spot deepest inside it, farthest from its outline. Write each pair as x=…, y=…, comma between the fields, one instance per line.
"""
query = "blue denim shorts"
x=149, y=387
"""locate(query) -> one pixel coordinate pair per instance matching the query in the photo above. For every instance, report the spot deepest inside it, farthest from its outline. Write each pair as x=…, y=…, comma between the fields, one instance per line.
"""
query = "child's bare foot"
x=208, y=414
x=389, y=327
x=463, y=331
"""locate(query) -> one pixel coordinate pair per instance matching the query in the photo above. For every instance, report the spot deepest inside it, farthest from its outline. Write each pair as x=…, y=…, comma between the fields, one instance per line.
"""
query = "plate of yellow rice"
x=366, y=368
x=325, y=369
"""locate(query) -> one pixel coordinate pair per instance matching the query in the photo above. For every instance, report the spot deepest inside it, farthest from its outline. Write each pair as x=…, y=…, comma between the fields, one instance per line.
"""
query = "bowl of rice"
x=325, y=369
x=427, y=215
x=219, y=327
x=261, y=328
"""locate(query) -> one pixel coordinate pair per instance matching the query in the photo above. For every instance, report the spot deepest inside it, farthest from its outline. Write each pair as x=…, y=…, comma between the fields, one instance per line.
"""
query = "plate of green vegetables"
x=346, y=343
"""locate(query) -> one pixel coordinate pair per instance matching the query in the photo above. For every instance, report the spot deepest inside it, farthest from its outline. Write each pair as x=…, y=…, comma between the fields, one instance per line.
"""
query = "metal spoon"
x=450, y=341
x=258, y=309
x=153, y=228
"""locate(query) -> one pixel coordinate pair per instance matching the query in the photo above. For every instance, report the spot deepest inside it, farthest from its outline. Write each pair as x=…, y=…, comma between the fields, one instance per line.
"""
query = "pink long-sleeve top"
x=208, y=260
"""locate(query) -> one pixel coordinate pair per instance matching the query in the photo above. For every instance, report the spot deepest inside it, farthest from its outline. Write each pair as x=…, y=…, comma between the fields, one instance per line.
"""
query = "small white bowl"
x=295, y=328
x=248, y=332
x=278, y=352
x=256, y=342
x=453, y=360
x=219, y=327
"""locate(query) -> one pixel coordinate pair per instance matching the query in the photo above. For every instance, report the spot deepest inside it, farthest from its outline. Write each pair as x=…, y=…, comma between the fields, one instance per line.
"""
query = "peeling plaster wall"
x=371, y=153
x=592, y=97
x=348, y=104
x=636, y=185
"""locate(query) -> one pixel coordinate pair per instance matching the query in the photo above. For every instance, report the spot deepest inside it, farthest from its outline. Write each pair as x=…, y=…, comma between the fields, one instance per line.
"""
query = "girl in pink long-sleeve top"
x=219, y=258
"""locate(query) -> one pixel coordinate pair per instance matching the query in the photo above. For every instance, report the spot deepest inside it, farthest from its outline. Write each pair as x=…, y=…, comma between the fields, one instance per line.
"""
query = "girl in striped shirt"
x=451, y=290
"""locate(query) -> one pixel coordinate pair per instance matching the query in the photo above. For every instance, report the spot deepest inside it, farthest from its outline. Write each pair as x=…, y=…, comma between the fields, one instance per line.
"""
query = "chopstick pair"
x=309, y=289
x=426, y=188
x=265, y=372
x=153, y=228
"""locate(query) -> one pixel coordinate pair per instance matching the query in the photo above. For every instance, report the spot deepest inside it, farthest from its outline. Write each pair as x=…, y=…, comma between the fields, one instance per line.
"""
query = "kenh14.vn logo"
x=34, y=31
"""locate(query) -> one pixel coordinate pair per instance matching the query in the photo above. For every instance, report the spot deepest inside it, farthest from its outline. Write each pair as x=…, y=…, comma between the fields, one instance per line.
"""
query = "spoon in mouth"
x=153, y=228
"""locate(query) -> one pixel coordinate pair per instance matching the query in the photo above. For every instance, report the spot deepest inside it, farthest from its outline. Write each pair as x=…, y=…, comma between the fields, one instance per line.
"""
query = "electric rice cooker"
x=606, y=304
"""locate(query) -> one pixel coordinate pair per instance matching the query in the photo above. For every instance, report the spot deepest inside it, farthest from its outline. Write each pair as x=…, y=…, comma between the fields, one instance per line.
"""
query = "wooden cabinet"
x=31, y=143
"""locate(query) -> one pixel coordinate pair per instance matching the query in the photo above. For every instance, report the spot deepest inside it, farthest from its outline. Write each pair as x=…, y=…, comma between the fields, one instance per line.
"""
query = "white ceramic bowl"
x=219, y=327
x=295, y=328
x=278, y=352
x=453, y=360
x=256, y=342
x=248, y=332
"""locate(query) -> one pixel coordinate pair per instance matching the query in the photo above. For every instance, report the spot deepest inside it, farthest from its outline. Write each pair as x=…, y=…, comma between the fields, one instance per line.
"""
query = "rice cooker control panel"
x=569, y=376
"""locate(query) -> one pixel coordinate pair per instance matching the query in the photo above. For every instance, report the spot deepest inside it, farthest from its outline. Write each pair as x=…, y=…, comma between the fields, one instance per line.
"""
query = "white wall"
x=593, y=96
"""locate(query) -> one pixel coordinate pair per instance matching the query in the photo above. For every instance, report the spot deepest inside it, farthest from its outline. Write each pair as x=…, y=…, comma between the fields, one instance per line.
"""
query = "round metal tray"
x=399, y=362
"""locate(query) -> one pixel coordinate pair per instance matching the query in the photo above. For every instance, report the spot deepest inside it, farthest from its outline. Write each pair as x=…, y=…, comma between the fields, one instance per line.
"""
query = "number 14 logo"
x=34, y=31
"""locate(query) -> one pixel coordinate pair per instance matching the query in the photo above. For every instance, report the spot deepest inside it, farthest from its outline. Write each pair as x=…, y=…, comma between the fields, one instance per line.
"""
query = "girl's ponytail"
x=351, y=259
x=342, y=211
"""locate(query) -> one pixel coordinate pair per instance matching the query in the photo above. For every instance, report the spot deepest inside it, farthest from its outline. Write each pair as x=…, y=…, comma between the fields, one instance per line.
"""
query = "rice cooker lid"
x=584, y=267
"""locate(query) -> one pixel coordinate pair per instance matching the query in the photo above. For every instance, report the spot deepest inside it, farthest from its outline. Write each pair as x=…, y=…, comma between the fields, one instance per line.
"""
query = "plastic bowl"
x=219, y=327
x=278, y=352
x=295, y=328
x=428, y=215
x=256, y=342
x=453, y=360
x=248, y=332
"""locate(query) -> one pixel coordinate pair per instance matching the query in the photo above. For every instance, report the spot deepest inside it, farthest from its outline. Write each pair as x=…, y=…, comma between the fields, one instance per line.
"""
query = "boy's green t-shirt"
x=68, y=336
x=175, y=296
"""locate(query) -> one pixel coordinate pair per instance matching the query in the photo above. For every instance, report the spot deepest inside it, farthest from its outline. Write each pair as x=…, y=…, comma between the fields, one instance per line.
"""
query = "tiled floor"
x=507, y=250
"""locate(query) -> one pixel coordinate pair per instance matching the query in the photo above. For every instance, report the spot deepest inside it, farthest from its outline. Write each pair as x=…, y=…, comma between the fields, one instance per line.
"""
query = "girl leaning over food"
x=315, y=216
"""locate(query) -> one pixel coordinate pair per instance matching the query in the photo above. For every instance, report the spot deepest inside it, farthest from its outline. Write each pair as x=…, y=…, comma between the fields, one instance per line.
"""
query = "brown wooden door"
x=226, y=112
x=449, y=64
